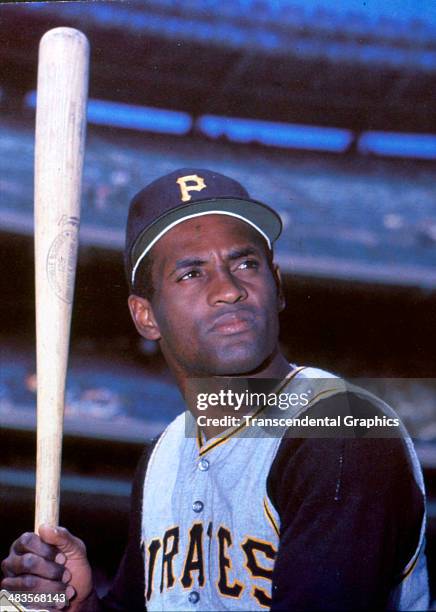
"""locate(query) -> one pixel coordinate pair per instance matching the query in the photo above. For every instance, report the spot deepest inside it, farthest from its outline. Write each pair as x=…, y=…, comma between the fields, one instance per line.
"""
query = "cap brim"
x=260, y=216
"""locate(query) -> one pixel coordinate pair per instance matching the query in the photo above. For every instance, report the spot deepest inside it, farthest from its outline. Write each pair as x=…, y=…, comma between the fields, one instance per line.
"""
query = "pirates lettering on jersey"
x=153, y=549
x=194, y=559
x=251, y=547
x=168, y=554
x=161, y=554
x=225, y=565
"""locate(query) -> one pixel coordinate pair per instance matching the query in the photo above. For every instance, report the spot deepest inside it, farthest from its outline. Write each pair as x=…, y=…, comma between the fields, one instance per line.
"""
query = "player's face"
x=216, y=301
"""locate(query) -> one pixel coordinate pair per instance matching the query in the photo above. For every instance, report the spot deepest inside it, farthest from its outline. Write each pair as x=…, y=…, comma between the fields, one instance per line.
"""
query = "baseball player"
x=240, y=514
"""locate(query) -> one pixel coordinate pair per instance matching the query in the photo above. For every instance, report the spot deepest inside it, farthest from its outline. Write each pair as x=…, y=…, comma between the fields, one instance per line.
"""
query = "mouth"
x=233, y=323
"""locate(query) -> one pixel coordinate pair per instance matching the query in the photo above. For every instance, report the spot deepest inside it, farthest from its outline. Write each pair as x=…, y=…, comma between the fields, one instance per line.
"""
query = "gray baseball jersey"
x=210, y=532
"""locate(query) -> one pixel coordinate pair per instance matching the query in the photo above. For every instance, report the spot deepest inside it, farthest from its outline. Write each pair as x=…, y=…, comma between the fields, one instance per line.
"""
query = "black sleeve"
x=350, y=517
x=127, y=591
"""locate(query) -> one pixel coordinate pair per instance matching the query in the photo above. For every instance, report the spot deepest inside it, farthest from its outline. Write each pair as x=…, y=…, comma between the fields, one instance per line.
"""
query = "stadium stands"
x=353, y=217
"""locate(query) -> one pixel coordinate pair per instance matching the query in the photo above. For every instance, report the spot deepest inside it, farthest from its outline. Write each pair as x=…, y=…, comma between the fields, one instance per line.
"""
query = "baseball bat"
x=59, y=151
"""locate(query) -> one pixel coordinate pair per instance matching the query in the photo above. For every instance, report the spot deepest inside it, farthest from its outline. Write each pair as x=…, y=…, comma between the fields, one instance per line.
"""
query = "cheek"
x=176, y=323
x=269, y=298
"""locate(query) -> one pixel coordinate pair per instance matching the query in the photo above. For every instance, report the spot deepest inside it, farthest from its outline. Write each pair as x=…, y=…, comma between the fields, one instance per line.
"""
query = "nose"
x=225, y=288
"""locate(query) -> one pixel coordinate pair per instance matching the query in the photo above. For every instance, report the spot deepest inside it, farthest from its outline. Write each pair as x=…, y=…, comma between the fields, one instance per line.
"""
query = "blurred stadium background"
x=323, y=110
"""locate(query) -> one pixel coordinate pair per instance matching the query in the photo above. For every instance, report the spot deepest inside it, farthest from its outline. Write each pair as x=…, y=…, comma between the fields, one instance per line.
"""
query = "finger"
x=29, y=563
x=30, y=542
x=60, y=537
x=70, y=592
x=5, y=567
x=29, y=582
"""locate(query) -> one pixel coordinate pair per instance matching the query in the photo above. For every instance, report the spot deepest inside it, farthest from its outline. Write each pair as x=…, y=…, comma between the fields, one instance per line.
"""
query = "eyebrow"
x=244, y=252
x=234, y=254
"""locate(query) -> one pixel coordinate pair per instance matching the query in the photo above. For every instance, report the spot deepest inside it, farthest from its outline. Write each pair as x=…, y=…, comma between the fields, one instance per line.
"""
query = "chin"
x=237, y=364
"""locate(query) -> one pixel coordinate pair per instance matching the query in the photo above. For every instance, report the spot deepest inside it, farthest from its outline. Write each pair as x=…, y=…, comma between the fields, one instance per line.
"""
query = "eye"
x=189, y=275
x=249, y=264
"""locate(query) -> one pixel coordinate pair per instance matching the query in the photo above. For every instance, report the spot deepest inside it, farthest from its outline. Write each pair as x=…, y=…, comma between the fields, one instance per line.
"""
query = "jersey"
x=212, y=537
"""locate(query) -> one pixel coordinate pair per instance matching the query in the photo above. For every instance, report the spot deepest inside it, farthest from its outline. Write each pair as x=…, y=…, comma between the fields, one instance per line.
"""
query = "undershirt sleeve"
x=350, y=516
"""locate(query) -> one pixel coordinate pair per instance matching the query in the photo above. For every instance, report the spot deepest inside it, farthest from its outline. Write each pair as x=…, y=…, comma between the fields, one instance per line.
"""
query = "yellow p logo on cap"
x=185, y=188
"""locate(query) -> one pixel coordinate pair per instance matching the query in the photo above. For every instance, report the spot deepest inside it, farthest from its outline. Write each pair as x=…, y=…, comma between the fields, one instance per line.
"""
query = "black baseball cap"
x=185, y=194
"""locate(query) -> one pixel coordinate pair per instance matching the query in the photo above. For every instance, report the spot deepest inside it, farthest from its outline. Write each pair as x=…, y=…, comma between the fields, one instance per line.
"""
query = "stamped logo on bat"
x=61, y=259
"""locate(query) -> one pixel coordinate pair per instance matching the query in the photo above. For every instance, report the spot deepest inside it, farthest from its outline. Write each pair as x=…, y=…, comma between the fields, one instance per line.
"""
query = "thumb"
x=69, y=545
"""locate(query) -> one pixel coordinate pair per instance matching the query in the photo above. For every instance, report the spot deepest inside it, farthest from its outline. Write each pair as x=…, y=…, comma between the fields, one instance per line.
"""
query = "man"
x=232, y=515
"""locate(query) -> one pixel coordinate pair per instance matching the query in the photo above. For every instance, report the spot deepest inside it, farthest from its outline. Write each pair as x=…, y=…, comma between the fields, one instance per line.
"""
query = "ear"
x=279, y=284
x=142, y=314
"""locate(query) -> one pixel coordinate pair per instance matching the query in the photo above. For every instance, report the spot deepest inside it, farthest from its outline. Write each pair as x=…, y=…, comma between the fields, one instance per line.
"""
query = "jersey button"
x=197, y=506
x=193, y=597
x=203, y=466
